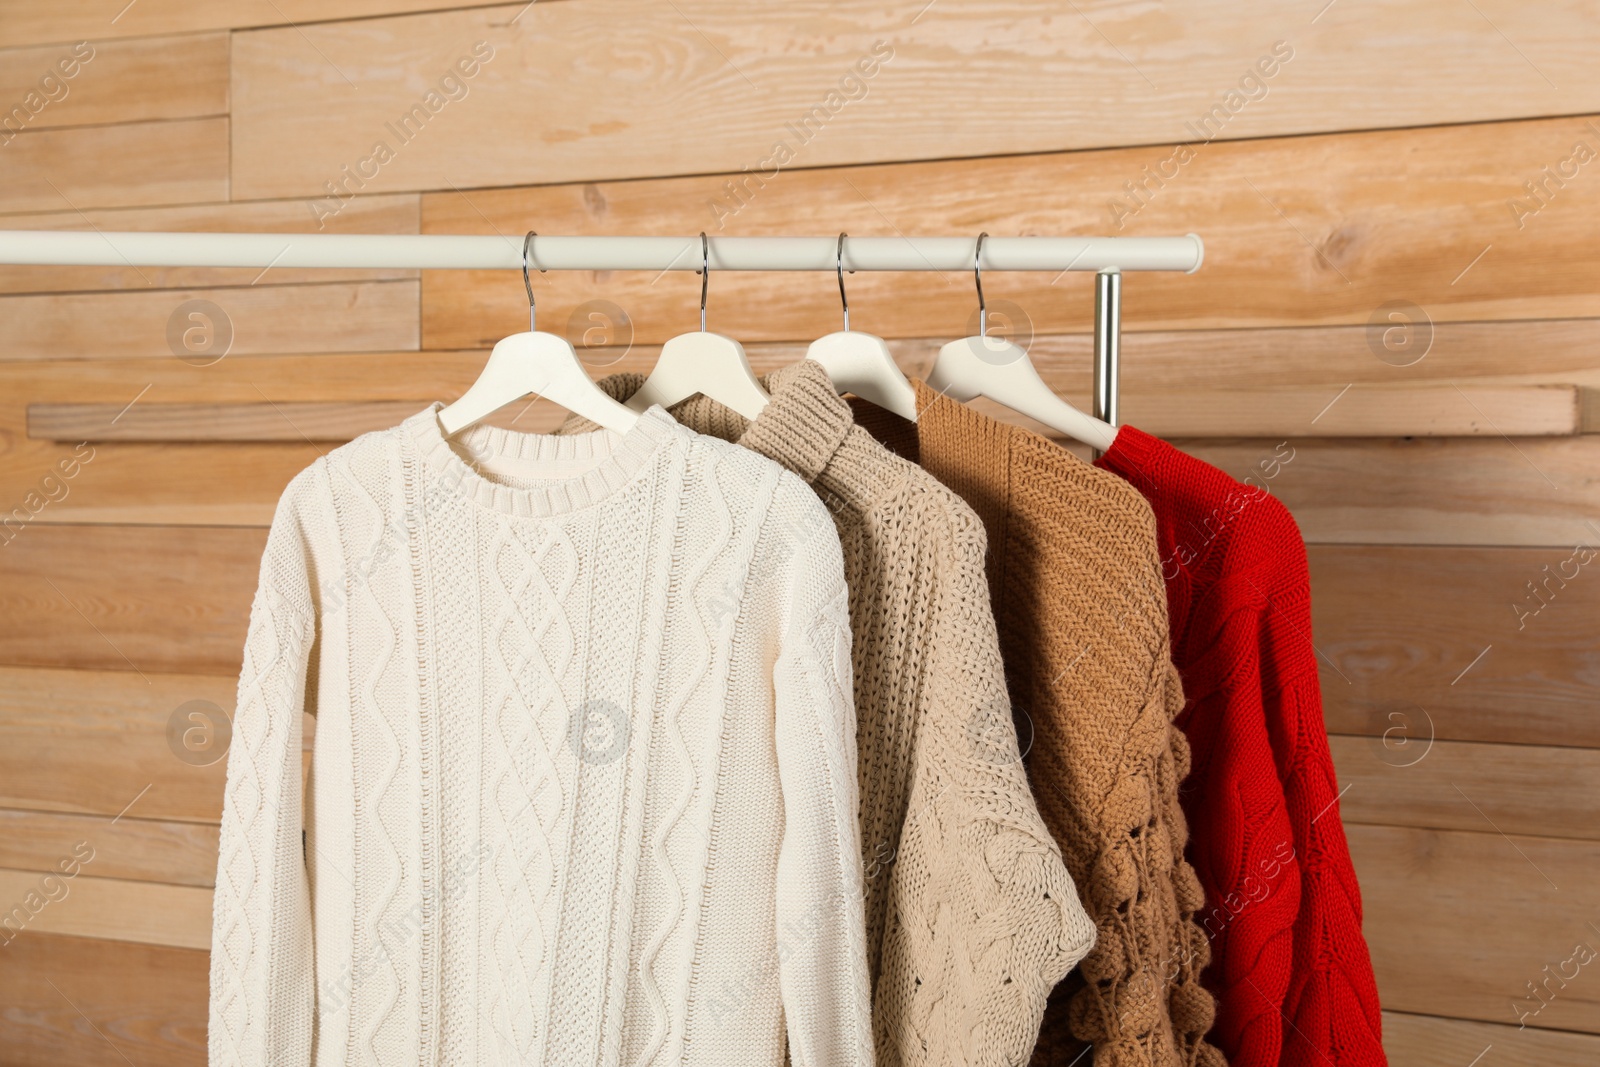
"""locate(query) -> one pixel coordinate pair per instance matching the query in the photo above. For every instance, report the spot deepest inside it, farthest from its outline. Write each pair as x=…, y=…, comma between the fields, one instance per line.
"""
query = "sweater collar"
x=602, y=462
x=804, y=427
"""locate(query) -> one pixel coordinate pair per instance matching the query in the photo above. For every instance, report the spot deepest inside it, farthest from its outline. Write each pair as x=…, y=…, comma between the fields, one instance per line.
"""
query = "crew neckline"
x=617, y=460
x=803, y=427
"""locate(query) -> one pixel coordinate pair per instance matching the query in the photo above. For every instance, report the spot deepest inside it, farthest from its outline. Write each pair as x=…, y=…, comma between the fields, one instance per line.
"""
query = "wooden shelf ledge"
x=1431, y=409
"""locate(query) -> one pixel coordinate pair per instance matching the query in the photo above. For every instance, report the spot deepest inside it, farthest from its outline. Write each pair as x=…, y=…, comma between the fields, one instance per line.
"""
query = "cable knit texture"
x=1082, y=616
x=1290, y=967
x=583, y=788
x=971, y=916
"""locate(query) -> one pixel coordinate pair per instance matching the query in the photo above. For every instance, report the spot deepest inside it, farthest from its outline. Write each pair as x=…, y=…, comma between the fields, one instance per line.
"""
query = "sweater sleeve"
x=1331, y=1005
x=1332, y=1000
x=262, y=1002
x=822, y=970
x=1142, y=1001
x=978, y=886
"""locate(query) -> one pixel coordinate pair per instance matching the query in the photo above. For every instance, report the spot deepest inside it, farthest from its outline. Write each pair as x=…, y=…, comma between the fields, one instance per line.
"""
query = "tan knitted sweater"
x=1078, y=597
x=971, y=916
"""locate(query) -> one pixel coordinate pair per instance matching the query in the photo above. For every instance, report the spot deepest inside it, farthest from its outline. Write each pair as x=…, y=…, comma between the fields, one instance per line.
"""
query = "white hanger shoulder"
x=862, y=364
x=542, y=364
x=1000, y=370
x=707, y=363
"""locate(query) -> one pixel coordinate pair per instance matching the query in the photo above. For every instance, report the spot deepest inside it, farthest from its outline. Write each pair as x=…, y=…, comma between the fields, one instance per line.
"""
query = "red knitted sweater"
x=1289, y=966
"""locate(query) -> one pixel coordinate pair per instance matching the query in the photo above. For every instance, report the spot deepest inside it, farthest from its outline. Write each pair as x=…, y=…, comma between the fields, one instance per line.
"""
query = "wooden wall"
x=1402, y=282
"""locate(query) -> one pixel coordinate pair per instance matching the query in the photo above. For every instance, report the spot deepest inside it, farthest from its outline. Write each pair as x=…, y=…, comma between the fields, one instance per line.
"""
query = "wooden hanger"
x=706, y=363
x=535, y=363
x=862, y=364
x=1000, y=370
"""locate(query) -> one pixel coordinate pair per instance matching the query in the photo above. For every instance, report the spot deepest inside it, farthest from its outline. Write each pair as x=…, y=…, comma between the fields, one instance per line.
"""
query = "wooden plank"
x=296, y=378
x=713, y=86
x=114, y=81
x=128, y=597
x=1321, y=230
x=150, y=913
x=1421, y=887
x=1533, y=352
x=1461, y=491
x=1404, y=780
x=1439, y=491
x=1429, y=1041
x=70, y=20
x=156, y=163
x=1479, y=357
x=1528, y=410
x=144, y=850
x=1459, y=923
x=78, y=1002
x=1526, y=351
x=1398, y=628
x=202, y=325
x=287, y=421
x=375, y=214
x=118, y=746
x=1422, y=410
x=1155, y=363
x=1401, y=634
x=150, y=484
x=207, y=484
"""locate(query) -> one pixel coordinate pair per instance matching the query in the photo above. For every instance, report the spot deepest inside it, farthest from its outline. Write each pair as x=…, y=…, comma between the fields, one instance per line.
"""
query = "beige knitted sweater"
x=971, y=916
x=1082, y=613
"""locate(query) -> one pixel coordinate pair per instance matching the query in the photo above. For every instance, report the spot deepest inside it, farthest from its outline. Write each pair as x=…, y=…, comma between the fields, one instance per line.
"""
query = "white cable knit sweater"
x=583, y=789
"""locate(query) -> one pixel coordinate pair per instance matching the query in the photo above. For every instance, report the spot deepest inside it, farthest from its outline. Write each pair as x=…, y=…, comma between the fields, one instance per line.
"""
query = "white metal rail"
x=554, y=252
x=1109, y=256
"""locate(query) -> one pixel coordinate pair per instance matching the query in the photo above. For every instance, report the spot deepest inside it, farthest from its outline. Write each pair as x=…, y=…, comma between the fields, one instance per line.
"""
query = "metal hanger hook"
x=977, y=279
x=705, y=276
x=527, y=253
x=838, y=265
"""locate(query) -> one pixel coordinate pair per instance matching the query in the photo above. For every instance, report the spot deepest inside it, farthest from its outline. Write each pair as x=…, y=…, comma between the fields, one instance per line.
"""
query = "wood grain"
x=635, y=119
x=1429, y=1041
x=1481, y=491
x=1459, y=923
x=1522, y=351
x=1399, y=631
x=147, y=912
x=375, y=214
x=1323, y=230
x=81, y=1002
x=1432, y=491
x=126, y=598
x=1438, y=491
x=178, y=484
x=1423, y=411
x=364, y=316
x=1318, y=362
x=108, y=743
x=156, y=163
x=1403, y=780
x=1397, y=627
x=1155, y=363
x=710, y=86
x=116, y=81
x=145, y=850
x=22, y=22
x=287, y=421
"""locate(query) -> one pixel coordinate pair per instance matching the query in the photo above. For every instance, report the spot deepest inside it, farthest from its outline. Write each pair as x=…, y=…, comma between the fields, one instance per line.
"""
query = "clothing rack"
x=1109, y=257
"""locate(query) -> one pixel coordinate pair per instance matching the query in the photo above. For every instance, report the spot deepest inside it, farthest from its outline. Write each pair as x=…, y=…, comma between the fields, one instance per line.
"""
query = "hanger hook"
x=977, y=279
x=527, y=253
x=838, y=265
x=705, y=276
